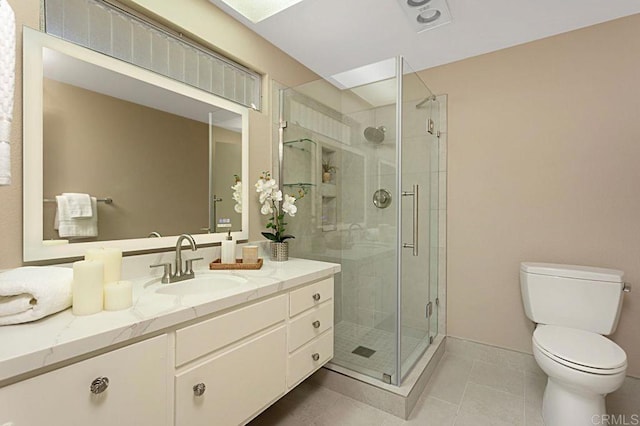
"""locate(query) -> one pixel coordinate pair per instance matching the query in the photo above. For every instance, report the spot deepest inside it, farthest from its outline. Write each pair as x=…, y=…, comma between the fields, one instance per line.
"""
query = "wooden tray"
x=217, y=264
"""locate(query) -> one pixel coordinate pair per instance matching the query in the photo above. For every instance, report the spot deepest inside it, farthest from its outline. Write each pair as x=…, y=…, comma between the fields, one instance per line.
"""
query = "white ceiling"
x=333, y=36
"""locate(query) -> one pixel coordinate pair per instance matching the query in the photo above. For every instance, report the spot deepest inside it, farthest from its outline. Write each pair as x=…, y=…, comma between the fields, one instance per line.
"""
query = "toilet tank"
x=580, y=297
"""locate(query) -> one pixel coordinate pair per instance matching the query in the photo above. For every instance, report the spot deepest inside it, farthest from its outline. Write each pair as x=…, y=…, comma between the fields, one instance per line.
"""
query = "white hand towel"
x=47, y=288
x=79, y=205
x=81, y=227
x=7, y=84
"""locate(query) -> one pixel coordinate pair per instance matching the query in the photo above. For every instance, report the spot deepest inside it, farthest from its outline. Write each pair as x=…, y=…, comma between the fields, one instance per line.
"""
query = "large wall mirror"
x=158, y=157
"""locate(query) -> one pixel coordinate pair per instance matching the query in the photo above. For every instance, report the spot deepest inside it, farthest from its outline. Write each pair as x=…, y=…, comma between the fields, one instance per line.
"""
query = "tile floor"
x=464, y=390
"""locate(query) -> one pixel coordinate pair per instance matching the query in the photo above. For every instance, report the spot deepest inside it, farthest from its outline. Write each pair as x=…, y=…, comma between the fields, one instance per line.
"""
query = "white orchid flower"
x=266, y=209
x=265, y=196
x=288, y=205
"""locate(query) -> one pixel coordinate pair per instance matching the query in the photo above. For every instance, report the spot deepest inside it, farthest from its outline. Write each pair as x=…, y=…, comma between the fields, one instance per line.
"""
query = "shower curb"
x=398, y=401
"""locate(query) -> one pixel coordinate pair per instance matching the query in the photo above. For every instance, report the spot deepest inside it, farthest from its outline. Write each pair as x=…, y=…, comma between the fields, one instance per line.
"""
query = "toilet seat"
x=580, y=350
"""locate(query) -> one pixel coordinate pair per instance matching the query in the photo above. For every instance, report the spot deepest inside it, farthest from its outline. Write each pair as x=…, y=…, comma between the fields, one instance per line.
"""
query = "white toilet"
x=574, y=306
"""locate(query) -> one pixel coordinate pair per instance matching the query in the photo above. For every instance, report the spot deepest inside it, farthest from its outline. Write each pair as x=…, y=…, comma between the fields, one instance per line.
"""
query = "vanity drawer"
x=234, y=386
x=310, y=296
x=130, y=388
x=205, y=337
x=303, y=362
x=310, y=325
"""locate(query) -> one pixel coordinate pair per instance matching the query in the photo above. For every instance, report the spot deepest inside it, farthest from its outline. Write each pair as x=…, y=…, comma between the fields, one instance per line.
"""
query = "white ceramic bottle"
x=228, y=254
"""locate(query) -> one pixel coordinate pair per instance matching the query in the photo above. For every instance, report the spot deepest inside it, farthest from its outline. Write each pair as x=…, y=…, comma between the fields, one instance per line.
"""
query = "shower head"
x=375, y=134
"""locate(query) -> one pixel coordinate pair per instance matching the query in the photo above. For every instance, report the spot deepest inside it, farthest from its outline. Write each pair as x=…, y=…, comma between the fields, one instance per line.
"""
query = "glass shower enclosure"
x=365, y=156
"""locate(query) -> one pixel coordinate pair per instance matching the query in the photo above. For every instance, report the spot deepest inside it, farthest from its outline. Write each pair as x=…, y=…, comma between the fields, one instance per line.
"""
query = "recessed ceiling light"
x=257, y=11
x=426, y=14
x=417, y=3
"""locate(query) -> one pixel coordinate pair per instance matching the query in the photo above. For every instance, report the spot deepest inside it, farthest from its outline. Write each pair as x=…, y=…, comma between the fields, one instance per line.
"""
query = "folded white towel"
x=80, y=227
x=78, y=205
x=10, y=305
x=33, y=292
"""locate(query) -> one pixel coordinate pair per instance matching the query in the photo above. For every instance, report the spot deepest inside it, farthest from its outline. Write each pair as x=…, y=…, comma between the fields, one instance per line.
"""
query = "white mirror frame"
x=33, y=249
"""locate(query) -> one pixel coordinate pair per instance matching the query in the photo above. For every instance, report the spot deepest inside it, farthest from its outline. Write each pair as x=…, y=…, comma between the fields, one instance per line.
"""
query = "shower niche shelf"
x=328, y=159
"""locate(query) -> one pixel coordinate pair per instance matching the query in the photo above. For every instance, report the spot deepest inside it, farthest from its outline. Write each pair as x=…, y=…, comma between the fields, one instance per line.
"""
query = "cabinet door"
x=235, y=385
x=136, y=394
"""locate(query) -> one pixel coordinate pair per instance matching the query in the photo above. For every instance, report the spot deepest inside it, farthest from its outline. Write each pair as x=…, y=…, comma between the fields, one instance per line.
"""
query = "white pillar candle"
x=112, y=258
x=118, y=295
x=87, y=287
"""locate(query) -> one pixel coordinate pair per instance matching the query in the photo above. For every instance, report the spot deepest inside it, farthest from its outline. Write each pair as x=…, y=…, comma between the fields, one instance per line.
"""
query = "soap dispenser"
x=228, y=254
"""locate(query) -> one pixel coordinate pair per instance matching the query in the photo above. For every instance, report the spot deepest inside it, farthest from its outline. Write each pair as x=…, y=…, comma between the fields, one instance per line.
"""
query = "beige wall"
x=209, y=24
x=544, y=147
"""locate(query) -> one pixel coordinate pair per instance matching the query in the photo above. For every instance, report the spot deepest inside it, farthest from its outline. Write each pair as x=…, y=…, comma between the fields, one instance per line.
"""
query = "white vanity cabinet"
x=243, y=368
x=310, y=331
x=233, y=366
x=136, y=392
x=222, y=369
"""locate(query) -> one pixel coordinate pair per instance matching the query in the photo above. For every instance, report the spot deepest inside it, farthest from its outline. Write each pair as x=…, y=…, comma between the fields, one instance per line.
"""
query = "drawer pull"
x=316, y=296
x=99, y=385
x=316, y=324
x=315, y=356
x=198, y=390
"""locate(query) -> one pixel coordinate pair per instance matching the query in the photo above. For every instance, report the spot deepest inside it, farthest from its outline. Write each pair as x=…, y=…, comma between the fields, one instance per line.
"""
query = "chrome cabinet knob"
x=315, y=356
x=198, y=390
x=99, y=385
x=316, y=296
x=316, y=324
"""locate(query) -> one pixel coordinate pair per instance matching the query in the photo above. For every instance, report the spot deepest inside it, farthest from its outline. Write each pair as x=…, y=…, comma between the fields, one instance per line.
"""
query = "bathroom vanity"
x=218, y=349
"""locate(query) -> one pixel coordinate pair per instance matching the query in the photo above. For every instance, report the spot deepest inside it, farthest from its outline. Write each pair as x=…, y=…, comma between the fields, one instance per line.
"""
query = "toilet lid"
x=580, y=349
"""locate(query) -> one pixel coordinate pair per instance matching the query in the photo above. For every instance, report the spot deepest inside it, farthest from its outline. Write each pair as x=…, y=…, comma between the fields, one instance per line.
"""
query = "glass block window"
x=107, y=29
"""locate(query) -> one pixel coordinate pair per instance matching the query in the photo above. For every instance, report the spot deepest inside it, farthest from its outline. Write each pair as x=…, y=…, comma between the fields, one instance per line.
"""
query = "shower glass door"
x=418, y=183
x=352, y=152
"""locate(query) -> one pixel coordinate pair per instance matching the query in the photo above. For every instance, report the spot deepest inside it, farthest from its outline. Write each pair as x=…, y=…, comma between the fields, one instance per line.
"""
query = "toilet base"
x=565, y=406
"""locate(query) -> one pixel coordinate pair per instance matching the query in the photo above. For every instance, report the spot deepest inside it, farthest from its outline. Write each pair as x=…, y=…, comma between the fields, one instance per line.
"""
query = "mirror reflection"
x=127, y=158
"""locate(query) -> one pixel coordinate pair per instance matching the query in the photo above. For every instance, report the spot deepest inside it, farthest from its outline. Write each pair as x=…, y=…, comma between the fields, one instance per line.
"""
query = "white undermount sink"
x=203, y=284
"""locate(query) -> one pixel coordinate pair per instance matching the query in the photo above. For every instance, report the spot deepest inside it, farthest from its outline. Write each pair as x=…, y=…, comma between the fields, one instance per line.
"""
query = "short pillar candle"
x=118, y=295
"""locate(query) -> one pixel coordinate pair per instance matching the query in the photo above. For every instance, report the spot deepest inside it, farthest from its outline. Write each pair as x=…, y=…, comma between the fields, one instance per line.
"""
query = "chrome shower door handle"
x=416, y=215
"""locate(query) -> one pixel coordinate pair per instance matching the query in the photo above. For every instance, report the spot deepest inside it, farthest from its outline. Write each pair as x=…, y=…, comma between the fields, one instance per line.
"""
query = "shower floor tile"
x=349, y=336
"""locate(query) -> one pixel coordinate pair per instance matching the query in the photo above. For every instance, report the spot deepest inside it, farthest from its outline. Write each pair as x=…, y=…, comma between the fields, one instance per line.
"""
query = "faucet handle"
x=189, y=264
x=166, y=275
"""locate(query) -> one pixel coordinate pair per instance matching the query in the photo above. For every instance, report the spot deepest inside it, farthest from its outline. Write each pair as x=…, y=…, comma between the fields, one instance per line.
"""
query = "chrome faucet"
x=180, y=274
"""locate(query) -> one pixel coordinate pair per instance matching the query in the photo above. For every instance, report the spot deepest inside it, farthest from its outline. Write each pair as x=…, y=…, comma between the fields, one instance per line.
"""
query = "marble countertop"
x=60, y=337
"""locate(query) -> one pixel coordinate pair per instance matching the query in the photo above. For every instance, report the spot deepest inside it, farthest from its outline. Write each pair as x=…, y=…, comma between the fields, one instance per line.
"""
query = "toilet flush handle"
x=626, y=287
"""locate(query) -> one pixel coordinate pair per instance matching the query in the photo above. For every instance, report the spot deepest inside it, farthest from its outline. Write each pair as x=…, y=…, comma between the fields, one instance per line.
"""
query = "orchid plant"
x=271, y=198
x=237, y=194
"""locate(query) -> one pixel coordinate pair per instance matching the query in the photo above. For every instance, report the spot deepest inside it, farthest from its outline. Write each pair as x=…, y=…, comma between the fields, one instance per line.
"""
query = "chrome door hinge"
x=429, y=310
x=283, y=124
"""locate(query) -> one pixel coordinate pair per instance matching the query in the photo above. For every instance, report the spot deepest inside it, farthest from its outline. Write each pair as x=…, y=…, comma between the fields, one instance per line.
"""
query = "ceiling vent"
x=426, y=14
